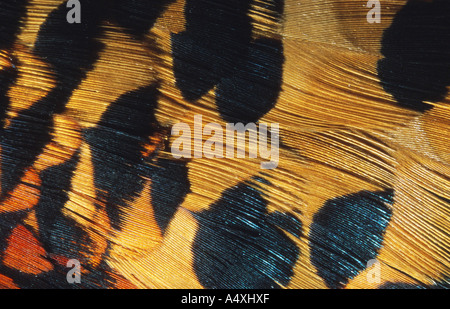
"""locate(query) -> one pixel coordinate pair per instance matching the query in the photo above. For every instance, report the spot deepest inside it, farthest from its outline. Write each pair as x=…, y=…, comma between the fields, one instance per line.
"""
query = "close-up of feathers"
x=93, y=197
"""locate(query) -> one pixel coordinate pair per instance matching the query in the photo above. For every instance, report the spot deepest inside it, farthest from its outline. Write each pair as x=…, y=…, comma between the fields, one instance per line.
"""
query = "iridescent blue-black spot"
x=170, y=185
x=67, y=238
x=347, y=233
x=117, y=143
x=239, y=245
x=59, y=234
x=253, y=88
x=416, y=67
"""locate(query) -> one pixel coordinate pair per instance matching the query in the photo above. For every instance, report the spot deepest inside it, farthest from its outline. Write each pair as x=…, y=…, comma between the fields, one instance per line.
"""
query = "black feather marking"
x=59, y=235
x=253, y=89
x=71, y=50
x=217, y=49
x=347, y=233
x=416, y=67
x=238, y=245
x=116, y=144
x=170, y=185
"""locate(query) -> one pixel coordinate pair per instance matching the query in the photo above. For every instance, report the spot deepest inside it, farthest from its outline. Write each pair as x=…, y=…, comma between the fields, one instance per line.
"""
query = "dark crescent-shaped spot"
x=58, y=234
x=416, y=67
x=170, y=185
x=347, y=233
x=253, y=88
x=238, y=245
x=117, y=144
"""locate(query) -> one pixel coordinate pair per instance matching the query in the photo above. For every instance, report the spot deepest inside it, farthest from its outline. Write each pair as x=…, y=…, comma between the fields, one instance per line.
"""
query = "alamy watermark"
x=374, y=271
x=74, y=275
x=74, y=14
x=230, y=142
x=374, y=15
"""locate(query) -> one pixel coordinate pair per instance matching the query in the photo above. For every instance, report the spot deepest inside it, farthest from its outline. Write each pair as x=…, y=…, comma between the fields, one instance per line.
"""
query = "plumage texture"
x=87, y=173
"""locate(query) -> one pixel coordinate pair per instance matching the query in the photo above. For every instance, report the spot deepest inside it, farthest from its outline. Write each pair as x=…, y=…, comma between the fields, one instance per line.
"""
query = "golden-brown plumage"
x=341, y=133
